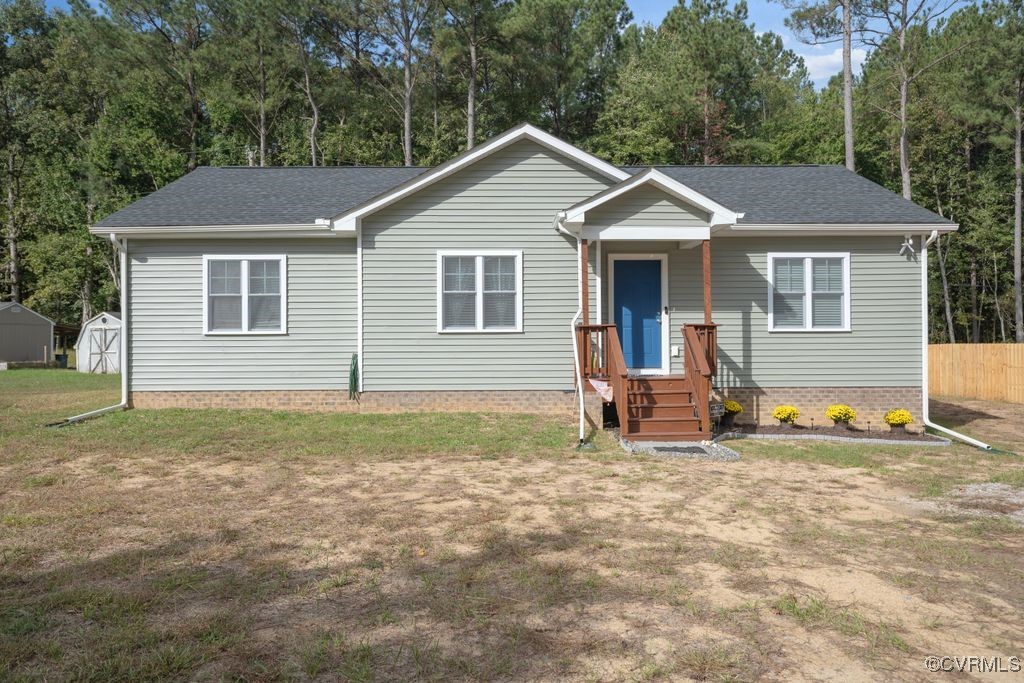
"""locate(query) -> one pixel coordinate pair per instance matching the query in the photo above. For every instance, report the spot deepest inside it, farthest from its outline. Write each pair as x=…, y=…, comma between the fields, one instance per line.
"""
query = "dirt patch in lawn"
x=447, y=567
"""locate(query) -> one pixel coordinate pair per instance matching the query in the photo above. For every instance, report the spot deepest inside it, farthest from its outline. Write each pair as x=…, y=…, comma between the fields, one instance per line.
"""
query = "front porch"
x=639, y=345
x=646, y=339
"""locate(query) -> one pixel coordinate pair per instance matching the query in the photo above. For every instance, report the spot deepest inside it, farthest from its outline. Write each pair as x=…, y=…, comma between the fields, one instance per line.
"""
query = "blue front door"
x=638, y=311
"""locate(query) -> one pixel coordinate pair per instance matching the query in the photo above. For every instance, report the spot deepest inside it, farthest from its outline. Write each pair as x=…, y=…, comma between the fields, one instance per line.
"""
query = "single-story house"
x=25, y=336
x=518, y=270
x=98, y=349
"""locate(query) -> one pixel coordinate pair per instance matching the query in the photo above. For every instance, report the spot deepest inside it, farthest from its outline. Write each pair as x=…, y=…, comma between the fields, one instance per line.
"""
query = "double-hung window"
x=245, y=295
x=480, y=291
x=809, y=292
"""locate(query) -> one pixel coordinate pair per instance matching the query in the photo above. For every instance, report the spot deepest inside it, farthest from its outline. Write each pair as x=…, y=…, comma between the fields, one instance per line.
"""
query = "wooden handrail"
x=692, y=342
x=601, y=358
x=700, y=344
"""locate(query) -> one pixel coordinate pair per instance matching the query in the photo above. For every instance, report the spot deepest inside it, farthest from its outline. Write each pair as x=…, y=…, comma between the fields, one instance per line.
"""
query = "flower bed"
x=800, y=431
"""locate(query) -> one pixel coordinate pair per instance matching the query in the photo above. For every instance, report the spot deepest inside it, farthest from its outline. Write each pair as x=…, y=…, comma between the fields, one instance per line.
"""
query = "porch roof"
x=682, y=213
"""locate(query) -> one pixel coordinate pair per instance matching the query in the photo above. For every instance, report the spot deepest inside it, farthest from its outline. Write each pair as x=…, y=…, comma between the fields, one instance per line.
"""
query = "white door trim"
x=665, y=315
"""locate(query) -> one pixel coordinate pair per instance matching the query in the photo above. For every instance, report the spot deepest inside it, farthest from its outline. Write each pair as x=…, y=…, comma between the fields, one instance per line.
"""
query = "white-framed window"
x=479, y=291
x=809, y=292
x=245, y=294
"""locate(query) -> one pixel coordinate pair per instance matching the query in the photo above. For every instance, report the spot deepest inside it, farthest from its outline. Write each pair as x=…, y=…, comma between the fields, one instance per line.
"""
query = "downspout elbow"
x=924, y=353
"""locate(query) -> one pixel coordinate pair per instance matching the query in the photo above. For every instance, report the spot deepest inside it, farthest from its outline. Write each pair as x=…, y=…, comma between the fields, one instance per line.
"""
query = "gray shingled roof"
x=242, y=195
x=300, y=195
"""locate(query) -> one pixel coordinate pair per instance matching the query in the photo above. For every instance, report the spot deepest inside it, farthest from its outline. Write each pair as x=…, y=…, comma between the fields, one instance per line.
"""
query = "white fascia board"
x=719, y=215
x=350, y=220
x=662, y=233
x=866, y=229
x=218, y=231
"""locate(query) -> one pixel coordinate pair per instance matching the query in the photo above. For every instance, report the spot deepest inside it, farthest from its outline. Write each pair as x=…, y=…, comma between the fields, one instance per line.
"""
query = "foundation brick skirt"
x=871, y=403
x=533, y=402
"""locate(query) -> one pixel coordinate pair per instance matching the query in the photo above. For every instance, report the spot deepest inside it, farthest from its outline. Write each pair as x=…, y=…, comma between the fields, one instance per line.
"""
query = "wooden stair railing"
x=700, y=345
x=601, y=358
x=654, y=407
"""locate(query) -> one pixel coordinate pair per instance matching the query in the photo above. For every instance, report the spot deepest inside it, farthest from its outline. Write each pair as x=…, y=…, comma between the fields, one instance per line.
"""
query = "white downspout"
x=559, y=227
x=925, y=243
x=122, y=248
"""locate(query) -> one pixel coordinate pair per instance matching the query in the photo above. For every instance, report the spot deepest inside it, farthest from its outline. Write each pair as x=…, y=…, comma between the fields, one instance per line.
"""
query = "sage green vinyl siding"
x=505, y=201
x=646, y=206
x=168, y=350
x=883, y=347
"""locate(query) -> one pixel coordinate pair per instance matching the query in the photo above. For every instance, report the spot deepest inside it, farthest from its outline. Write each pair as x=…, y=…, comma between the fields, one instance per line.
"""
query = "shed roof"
x=13, y=305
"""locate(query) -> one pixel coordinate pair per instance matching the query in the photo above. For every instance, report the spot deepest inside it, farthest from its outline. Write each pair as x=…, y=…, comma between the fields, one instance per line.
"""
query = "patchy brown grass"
x=265, y=546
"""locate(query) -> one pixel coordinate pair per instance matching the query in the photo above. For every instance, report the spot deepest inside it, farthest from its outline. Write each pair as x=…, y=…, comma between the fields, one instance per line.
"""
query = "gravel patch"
x=696, y=450
x=988, y=499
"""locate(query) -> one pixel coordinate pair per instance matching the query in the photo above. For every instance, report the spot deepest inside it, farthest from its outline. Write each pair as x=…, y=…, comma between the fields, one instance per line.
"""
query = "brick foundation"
x=871, y=403
x=536, y=402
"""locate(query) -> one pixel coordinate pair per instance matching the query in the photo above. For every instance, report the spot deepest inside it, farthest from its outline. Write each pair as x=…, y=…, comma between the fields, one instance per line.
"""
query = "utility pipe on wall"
x=122, y=248
x=559, y=227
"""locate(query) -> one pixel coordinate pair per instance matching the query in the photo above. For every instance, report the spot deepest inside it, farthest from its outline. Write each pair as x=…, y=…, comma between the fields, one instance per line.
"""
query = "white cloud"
x=823, y=65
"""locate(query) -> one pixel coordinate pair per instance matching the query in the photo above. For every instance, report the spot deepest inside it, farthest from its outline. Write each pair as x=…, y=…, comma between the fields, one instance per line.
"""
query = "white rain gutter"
x=122, y=248
x=925, y=243
x=559, y=227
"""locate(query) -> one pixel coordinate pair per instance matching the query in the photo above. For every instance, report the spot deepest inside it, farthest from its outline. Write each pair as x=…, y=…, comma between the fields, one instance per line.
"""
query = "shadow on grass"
x=217, y=606
x=954, y=415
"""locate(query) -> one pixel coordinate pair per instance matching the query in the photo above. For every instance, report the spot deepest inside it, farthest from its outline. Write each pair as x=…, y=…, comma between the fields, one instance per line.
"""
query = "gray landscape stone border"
x=934, y=441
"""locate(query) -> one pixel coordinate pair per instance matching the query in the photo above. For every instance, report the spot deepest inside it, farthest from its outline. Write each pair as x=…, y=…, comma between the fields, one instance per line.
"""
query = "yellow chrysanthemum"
x=732, y=407
x=788, y=414
x=841, y=413
x=898, y=416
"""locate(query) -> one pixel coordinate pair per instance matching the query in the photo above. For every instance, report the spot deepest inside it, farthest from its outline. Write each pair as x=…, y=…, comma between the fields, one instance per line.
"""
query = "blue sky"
x=823, y=61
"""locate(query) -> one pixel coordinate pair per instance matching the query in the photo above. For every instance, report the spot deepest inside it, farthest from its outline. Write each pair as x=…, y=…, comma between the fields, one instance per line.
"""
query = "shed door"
x=103, y=350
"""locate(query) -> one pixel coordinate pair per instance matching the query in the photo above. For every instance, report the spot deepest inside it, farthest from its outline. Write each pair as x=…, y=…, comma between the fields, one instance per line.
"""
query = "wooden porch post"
x=585, y=281
x=706, y=248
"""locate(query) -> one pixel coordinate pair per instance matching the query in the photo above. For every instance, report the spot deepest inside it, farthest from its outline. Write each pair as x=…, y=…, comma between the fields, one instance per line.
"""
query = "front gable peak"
x=718, y=215
x=350, y=220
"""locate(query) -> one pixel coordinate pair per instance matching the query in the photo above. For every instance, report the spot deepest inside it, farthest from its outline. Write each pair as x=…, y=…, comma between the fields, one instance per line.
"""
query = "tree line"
x=100, y=107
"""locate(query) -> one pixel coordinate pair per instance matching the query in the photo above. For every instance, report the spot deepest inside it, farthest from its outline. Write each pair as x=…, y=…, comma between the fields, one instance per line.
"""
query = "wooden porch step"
x=658, y=383
x=662, y=425
x=662, y=409
x=667, y=436
x=653, y=398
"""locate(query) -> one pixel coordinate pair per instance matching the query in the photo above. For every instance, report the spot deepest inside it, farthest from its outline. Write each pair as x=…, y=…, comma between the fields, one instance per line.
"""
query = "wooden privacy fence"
x=992, y=372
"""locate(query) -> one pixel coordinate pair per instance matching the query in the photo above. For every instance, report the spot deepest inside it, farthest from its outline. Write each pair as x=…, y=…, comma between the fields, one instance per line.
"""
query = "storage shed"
x=98, y=348
x=25, y=336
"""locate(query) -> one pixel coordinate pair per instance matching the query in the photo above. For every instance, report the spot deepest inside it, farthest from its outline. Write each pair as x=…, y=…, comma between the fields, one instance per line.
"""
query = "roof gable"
x=718, y=215
x=349, y=221
x=14, y=308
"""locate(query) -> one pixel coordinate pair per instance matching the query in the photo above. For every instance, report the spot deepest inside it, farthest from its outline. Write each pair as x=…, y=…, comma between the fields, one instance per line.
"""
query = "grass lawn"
x=255, y=545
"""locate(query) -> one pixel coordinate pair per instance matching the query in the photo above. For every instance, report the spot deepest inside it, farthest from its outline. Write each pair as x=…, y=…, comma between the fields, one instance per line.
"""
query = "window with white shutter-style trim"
x=245, y=295
x=479, y=291
x=809, y=292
